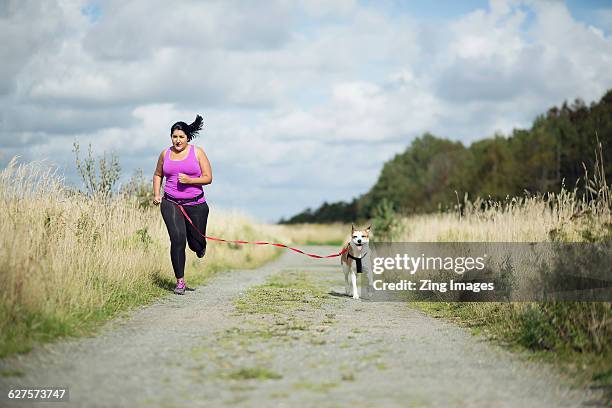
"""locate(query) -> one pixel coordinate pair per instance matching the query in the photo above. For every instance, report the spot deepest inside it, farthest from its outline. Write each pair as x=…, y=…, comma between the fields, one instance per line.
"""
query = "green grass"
x=316, y=387
x=27, y=328
x=282, y=294
x=273, y=315
x=11, y=373
x=253, y=373
x=381, y=366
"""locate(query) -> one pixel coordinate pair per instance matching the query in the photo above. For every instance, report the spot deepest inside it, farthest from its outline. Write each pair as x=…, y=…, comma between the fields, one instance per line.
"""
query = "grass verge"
x=23, y=327
x=576, y=337
x=69, y=261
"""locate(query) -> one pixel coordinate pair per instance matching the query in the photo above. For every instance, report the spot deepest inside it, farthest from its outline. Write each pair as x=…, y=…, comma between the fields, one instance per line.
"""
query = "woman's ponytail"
x=190, y=130
x=196, y=126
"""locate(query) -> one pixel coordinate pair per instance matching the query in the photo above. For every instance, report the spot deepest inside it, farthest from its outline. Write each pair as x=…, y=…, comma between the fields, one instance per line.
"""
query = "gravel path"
x=303, y=347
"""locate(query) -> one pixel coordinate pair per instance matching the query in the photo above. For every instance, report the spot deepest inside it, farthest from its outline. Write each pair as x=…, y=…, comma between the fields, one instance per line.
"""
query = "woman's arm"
x=206, y=177
x=157, y=179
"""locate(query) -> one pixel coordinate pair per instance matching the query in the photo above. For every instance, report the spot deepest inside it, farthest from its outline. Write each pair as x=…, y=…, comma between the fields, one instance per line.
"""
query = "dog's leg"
x=347, y=270
x=354, y=284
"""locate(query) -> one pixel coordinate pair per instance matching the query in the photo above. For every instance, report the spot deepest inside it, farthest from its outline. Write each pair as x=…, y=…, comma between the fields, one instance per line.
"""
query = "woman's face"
x=179, y=139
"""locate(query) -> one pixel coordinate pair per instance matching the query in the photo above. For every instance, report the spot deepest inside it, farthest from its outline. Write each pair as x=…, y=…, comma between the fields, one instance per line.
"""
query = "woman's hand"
x=183, y=178
x=157, y=200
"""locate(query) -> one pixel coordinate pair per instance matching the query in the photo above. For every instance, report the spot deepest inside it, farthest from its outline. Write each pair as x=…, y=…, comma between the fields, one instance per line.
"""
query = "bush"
x=101, y=184
x=385, y=222
x=139, y=189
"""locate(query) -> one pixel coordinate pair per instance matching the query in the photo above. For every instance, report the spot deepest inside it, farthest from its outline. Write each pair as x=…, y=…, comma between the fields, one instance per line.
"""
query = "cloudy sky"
x=303, y=100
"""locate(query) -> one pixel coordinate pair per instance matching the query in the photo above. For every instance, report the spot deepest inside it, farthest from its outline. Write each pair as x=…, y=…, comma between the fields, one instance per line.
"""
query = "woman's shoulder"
x=163, y=152
x=198, y=151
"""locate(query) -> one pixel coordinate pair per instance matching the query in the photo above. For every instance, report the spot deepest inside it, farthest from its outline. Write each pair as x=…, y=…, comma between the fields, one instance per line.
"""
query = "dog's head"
x=359, y=238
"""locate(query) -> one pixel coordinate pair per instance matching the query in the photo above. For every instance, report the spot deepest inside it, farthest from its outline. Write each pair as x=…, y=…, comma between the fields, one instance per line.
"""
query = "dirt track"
x=288, y=344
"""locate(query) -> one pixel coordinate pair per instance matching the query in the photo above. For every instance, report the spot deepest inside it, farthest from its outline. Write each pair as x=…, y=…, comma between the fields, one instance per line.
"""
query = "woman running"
x=186, y=169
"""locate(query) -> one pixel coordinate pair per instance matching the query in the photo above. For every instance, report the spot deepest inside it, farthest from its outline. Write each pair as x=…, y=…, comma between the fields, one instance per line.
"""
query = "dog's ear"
x=352, y=228
x=369, y=228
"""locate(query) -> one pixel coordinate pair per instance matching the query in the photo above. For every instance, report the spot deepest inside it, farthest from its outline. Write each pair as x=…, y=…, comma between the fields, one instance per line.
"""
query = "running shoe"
x=180, y=288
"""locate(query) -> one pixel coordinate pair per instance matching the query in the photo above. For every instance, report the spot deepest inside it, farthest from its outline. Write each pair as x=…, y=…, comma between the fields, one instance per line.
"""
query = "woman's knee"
x=178, y=241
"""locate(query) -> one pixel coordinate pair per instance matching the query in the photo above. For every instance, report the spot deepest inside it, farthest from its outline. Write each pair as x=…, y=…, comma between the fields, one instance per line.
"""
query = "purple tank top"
x=189, y=166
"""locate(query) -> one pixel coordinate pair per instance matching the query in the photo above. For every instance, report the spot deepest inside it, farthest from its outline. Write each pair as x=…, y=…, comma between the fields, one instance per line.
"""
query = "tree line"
x=434, y=173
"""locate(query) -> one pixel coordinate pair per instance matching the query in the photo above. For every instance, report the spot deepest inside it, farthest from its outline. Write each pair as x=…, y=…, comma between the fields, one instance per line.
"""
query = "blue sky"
x=303, y=101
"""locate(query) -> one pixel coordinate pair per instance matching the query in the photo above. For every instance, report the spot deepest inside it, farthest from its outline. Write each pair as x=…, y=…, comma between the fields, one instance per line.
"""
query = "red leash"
x=299, y=251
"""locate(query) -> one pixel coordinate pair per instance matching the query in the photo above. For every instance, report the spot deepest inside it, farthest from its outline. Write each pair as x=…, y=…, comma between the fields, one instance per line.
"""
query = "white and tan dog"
x=357, y=248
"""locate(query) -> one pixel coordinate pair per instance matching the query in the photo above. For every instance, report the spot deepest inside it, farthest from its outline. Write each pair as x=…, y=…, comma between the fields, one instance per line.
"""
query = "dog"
x=356, y=249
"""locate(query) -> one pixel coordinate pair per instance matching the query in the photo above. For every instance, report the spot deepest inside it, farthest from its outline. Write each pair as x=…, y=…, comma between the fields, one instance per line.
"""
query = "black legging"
x=180, y=230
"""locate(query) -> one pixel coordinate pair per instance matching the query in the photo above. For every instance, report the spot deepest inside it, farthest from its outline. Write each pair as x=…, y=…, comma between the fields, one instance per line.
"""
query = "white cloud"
x=293, y=93
x=21, y=38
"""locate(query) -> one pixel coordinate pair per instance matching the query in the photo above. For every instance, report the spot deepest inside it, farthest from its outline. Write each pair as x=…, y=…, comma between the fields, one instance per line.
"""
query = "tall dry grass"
x=559, y=216
x=68, y=261
x=313, y=234
x=541, y=218
x=578, y=332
